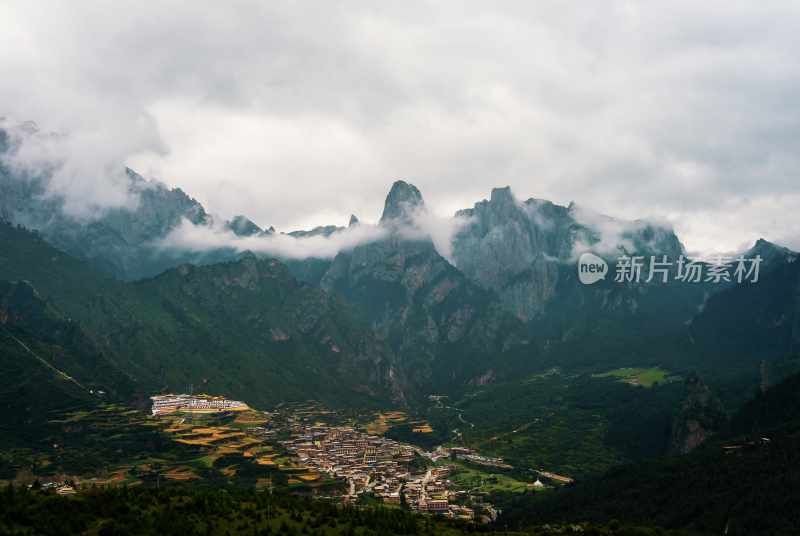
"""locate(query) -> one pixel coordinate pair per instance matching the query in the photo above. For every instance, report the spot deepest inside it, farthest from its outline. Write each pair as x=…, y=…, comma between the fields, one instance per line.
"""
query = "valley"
x=399, y=268
x=304, y=448
x=549, y=429
x=384, y=376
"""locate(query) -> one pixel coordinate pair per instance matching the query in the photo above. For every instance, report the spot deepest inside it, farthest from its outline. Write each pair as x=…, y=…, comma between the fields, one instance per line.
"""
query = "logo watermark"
x=591, y=268
x=658, y=268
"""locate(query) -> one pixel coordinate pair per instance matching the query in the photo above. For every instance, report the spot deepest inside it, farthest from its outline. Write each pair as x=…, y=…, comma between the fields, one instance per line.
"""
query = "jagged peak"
x=770, y=250
x=403, y=198
x=353, y=220
x=764, y=243
x=243, y=226
x=319, y=230
x=502, y=195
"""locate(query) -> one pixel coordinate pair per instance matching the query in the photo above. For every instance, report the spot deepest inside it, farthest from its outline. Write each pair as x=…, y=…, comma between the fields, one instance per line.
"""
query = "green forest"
x=219, y=511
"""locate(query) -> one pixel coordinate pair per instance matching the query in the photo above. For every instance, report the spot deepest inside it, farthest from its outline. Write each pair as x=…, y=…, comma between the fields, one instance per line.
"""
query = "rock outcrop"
x=700, y=416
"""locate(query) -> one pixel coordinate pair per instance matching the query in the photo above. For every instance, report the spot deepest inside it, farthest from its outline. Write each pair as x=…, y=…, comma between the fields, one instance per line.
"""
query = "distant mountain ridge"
x=506, y=301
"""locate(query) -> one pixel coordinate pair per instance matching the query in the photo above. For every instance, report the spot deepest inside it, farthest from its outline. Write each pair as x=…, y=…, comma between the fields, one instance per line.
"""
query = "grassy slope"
x=30, y=391
x=646, y=377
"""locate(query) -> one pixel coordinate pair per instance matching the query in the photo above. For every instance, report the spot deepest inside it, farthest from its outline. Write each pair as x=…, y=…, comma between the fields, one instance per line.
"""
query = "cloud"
x=611, y=236
x=440, y=230
x=82, y=171
x=198, y=238
x=422, y=225
x=289, y=113
x=534, y=212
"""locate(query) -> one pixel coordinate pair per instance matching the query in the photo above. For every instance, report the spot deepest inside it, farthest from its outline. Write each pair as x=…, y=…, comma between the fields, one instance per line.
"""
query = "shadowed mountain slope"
x=244, y=328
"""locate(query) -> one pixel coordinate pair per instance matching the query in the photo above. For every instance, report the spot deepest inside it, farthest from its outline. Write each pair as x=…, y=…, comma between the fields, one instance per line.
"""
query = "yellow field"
x=250, y=418
x=231, y=439
x=254, y=452
x=230, y=472
x=181, y=474
x=384, y=421
x=114, y=479
x=210, y=434
x=178, y=428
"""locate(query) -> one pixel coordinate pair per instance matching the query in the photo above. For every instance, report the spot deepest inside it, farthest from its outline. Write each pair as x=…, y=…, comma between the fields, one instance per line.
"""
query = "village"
x=395, y=473
x=318, y=441
x=352, y=457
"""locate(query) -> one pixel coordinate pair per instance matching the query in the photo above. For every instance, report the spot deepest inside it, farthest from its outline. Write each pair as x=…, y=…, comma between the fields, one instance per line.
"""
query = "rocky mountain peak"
x=353, y=220
x=762, y=247
x=402, y=200
x=243, y=226
x=503, y=196
x=769, y=251
x=320, y=230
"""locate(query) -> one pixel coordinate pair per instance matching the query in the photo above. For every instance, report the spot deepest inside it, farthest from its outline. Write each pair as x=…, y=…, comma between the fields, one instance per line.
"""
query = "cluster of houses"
x=164, y=404
x=367, y=462
x=434, y=493
x=381, y=466
x=61, y=488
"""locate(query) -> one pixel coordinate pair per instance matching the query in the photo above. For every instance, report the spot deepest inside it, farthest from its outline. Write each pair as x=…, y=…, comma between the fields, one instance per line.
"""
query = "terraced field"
x=384, y=421
x=116, y=445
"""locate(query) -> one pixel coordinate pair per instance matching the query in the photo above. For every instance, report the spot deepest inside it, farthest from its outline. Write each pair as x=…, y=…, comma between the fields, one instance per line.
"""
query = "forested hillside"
x=740, y=483
x=245, y=328
x=181, y=511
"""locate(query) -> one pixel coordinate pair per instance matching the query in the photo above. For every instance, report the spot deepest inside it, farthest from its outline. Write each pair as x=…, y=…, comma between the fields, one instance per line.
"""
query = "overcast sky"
x=299, y=113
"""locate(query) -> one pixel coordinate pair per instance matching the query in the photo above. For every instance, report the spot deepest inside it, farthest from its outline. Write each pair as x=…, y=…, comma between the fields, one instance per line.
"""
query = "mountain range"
x=385, y=319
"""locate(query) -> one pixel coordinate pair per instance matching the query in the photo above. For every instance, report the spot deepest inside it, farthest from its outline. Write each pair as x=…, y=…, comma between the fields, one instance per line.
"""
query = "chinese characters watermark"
x=658, y=268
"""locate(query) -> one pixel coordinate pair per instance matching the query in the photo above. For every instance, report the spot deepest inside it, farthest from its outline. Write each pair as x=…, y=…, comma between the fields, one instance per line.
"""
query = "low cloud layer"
x=440, y=230
x=612, y=236
x=298, y=114
x=81, y=170
x=190, y=237
x=422, y=225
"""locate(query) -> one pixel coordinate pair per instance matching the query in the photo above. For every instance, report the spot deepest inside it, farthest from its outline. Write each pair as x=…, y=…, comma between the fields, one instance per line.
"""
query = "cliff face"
x=431, y=314
x=701, y=415
x=514, y=249
x=520, y=249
